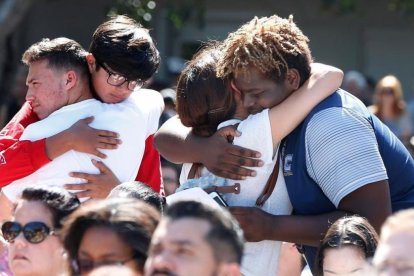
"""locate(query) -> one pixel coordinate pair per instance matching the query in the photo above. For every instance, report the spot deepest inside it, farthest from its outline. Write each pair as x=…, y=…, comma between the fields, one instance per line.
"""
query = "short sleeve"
x=342, y=153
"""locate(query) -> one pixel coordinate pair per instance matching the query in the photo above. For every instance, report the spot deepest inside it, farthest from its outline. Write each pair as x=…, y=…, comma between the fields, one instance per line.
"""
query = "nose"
x=162, y=261
x=29, y=95
x=248, y=101
x=19, y=241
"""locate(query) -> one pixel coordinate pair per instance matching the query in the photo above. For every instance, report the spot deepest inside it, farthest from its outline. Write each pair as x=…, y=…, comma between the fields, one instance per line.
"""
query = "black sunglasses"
x=33, y=232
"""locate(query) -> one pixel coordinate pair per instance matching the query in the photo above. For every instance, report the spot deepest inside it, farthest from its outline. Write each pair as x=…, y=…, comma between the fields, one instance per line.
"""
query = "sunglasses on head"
x=33, y=232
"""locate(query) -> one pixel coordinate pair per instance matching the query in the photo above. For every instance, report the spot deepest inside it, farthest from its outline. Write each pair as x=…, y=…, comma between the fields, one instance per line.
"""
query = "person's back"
x=123, y=164
x=123, y=57
x=54, y=84
x=396, y=159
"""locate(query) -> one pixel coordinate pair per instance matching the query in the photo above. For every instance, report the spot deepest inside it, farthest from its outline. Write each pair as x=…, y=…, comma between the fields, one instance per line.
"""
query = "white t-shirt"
x=260, y=258
x=133, y=119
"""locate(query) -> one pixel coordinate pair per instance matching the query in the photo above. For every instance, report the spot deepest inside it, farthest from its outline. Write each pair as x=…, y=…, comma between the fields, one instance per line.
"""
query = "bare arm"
x=176, y=143
x=83, y=138
x=170, y=141
x=309, y=230
x=287, y=115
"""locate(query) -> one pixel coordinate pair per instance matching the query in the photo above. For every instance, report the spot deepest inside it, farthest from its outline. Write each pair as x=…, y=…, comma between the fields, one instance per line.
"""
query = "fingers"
x=245, y=153
x=101, y=166
x=77, y=186
x=83, y=194
x=107, y=133
x=229, y=131
x=87, y=176
x=233, y=172
x=87, y=120
x=101, y=145
x=110, y=140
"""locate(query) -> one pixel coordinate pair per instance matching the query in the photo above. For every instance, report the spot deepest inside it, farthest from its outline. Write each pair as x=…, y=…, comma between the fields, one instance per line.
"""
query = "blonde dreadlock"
x=271, y=44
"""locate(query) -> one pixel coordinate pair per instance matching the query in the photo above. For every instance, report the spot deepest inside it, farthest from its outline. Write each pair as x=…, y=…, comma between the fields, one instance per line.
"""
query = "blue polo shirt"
x=339, y=148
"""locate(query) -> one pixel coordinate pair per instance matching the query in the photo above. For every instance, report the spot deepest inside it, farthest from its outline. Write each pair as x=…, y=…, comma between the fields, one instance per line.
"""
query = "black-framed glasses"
x=33, y=232
x=85, y=266
x=116, y=79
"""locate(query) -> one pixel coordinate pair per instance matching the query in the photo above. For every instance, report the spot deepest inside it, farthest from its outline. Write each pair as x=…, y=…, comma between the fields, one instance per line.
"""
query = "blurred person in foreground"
x=395, y=252
x=34, y=232
x=346, y=247
x=195, y=239
x=109, y=232
x=138, y=190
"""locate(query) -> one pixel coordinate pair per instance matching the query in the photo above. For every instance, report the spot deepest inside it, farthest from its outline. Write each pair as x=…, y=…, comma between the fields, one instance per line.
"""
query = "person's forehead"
x=250, y=79
x=189, y=230
x=28, y=210
x=39, y=69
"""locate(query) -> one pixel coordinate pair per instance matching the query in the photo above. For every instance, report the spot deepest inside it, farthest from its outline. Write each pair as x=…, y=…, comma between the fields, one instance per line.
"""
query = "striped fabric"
x=332, y=134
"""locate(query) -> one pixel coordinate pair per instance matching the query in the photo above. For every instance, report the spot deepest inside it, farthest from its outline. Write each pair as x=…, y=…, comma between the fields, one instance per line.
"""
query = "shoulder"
x=336, y=120
x=147, y=95
x=147, y=100
x=258, y=120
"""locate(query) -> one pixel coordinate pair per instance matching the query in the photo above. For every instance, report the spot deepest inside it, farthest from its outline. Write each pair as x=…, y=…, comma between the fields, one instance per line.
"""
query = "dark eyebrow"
x=183, y=242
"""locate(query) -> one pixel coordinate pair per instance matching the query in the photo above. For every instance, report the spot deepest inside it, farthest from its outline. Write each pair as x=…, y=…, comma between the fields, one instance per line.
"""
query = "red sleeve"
x=19, y=122
x=150, y=170
x=20, y=158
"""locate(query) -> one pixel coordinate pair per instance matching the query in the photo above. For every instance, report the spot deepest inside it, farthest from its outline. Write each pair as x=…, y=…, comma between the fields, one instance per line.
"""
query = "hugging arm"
x=176, y=143
x=21, y=158
x=287, y=115
x=83, y=138
x=354, y=180
x=258, y=225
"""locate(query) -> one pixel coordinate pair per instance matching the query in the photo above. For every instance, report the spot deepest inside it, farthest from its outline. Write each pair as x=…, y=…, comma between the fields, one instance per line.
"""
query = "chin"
x=21, y=268
x=255, y=111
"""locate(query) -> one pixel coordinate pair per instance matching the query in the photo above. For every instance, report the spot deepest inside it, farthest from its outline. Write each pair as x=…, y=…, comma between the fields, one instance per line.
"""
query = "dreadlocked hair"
x=271, y=44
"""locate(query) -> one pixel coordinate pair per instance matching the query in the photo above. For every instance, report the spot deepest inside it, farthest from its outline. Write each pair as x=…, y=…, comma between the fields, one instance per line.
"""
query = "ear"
x=229, y=269
x=70, y=79
x=293, y=78
x=90, y=59
x=235, y=90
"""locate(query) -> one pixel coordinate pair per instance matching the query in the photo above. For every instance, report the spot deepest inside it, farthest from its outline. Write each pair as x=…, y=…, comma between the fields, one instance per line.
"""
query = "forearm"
x=176, y=143
x=306, y=230
x=324, y=81
x=58, y=144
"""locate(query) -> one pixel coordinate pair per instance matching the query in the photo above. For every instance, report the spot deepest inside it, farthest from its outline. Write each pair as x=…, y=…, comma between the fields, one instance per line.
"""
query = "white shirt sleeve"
x=342, y=152
x=257, y=135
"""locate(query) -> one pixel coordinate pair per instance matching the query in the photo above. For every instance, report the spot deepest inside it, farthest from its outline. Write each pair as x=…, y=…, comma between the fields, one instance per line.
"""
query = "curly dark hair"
x=271, y=44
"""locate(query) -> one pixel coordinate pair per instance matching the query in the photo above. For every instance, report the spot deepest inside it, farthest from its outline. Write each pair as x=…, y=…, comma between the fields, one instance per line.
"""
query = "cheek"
x=102, y=90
